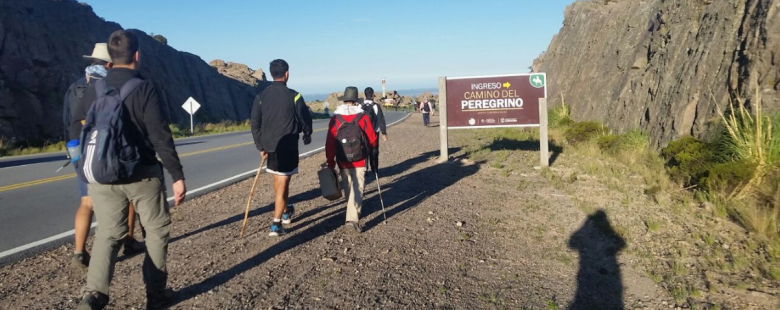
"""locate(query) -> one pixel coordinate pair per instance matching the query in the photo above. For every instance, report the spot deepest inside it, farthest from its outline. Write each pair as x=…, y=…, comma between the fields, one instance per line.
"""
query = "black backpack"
x=426, y=107
x=107, y=155
x=352, y=144
x=369, y=111
x=72, y=99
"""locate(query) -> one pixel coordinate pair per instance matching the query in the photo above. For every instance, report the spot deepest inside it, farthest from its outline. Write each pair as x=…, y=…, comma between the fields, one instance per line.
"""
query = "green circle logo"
x=537, y=80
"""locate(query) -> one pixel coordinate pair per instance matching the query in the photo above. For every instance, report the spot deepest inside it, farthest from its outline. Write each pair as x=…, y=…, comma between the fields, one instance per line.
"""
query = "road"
x=37, y=206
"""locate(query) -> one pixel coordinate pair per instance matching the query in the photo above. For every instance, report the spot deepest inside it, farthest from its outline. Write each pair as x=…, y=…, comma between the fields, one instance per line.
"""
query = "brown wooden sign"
x=495, y=101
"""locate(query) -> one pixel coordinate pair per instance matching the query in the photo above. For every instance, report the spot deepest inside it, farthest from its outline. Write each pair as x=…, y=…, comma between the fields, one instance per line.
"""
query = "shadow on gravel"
x=599, y=284
x=525, y=145
x=411, y=189
x=408, y=191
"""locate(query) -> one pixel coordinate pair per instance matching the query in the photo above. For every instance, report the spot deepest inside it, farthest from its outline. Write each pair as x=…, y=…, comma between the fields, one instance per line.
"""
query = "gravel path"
x=457, y=237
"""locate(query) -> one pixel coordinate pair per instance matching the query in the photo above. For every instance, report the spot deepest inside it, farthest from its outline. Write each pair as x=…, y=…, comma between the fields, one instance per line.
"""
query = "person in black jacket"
x=101, y=62
x=146, y=128
x=374, y=112
x=279, y=115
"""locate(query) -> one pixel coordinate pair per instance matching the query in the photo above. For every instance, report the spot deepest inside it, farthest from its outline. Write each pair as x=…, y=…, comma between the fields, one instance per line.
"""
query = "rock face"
x=664, y=66
x=239, y=72
x=41, y=48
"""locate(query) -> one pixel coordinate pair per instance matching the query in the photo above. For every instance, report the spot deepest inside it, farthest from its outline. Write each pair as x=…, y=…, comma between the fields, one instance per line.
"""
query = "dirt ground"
x=457, y=236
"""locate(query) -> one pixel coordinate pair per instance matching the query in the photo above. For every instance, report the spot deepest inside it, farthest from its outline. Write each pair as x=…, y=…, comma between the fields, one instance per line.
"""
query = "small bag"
x=329, y=184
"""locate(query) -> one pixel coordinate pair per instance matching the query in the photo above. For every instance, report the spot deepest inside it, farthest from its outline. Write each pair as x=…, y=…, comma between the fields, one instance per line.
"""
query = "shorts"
x=285, y=160
x=82, y=185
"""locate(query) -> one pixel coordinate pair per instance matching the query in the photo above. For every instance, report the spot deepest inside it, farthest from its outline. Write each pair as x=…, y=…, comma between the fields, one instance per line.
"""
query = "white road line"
x=169, y=199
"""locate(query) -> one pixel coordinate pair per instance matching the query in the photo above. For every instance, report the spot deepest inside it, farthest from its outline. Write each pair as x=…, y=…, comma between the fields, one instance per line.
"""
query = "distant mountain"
x=405, y=92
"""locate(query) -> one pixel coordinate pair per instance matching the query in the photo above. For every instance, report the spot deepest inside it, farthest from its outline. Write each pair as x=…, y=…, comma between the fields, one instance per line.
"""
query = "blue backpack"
x=107, y=155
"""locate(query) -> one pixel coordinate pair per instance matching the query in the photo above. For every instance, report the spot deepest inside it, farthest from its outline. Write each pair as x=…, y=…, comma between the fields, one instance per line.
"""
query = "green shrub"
x=689, y=159
x=729, y=176
x=632, y=140
x=584, y=131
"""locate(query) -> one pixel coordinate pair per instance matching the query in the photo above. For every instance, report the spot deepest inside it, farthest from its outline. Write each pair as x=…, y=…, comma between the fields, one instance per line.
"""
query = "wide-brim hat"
x=100, y=52
x=350, y=94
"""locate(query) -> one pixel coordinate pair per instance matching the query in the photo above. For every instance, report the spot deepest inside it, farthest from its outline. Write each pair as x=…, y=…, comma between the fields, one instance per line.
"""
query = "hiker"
x=279, y=115
x=374, y=113
x=426, y=110
x=350, y=138
x=101, y=62
x=146, y=131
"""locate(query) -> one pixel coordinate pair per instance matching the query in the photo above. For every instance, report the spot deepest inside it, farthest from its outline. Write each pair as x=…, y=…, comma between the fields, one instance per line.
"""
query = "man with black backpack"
x=122, y=116
x=426, y=109
x=350, y=138
x=377, y=117
x=279, y=116
x=101, y=62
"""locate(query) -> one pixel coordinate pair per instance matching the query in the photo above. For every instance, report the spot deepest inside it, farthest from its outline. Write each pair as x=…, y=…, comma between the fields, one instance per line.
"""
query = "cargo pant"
x=111, y=207
x=353, y=184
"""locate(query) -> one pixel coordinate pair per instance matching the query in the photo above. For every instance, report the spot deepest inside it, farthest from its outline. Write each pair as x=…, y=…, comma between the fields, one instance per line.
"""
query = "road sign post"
x=494, y=102
x=191, y=106
x=443, y=136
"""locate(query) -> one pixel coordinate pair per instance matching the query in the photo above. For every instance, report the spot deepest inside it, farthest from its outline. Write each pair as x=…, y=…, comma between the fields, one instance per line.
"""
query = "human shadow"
x=599, y=282
x=406, y=193
x=411, y=189
x=525, y=145
x=33, y=160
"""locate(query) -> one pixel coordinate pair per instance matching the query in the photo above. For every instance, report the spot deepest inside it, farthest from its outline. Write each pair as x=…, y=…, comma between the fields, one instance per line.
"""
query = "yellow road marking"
x=72, y=175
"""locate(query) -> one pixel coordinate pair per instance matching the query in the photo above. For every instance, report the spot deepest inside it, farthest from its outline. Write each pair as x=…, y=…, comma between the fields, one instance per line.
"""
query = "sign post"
x=191, y=106
x=445, y=149
x=494, y=102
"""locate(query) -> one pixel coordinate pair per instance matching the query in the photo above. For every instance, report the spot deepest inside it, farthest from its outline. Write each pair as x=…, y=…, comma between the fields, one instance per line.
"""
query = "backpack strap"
x=340, y=119
x=128, y=88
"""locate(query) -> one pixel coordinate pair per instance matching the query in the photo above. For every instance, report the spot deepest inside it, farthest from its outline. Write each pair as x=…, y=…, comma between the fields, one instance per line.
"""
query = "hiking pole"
x=251, y=192
x=382, y=201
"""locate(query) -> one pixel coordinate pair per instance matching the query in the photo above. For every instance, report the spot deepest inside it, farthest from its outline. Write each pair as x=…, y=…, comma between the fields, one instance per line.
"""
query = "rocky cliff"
x=664, y=66
x=41, y=48
x=239, y=72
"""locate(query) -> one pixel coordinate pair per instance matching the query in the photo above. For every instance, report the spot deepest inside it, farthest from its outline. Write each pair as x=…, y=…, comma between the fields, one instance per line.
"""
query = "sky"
x=337, y=43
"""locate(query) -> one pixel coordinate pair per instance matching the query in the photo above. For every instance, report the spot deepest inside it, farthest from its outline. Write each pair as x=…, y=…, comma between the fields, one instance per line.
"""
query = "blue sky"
x=333, y=44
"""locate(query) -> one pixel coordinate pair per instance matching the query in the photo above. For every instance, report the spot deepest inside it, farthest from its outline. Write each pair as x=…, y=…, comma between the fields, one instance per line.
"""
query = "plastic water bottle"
x=74, y=151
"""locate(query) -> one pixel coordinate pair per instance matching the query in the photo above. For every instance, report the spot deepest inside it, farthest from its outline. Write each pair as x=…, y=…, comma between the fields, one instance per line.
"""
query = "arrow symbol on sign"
x=506, y=85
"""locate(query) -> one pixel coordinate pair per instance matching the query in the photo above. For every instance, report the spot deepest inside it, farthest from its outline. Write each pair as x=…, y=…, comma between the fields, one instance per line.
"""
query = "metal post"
x=445, y=151
x=543, y=137
x=192, y=124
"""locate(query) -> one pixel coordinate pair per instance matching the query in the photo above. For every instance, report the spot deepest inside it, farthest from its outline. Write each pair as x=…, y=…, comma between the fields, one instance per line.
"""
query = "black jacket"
x=150, y=131
x=278, y=112
x=374, y=111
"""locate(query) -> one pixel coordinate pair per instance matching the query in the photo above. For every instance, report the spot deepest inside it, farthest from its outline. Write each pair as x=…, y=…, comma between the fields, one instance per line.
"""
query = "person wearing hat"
x=100, y=64
x=339, y=149
x=279, y=116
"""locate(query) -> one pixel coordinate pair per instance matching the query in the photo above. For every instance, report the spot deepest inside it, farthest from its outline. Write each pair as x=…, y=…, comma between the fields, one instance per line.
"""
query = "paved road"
x=37, y=206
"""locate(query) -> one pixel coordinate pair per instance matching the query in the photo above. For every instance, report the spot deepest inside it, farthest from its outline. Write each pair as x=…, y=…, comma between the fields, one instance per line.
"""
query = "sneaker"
x=93, y=301
x=80, y=260
x=277, y=230
x=133, y=247
x=159, y=300
x=287, y=216
x=354, y=227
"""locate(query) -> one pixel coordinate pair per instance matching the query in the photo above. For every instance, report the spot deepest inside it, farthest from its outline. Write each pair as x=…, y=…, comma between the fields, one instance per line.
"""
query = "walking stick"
x=249, y=202
x=379, y=188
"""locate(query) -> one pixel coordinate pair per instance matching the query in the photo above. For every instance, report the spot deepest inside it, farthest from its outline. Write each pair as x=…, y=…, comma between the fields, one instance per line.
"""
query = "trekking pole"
x=249, y=202
x=382, y=201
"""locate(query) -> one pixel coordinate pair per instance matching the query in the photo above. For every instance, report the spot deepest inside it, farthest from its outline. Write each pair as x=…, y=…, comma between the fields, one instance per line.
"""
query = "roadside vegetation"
x=705, y=218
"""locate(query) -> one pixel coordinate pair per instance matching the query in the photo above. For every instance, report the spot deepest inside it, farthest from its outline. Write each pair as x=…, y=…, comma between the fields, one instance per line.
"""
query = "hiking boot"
x=277, y=230
x=354, y=227
x=132, y=247
x=80, y=260
x=159, y=300
x=287, y=216
x=93, y=301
